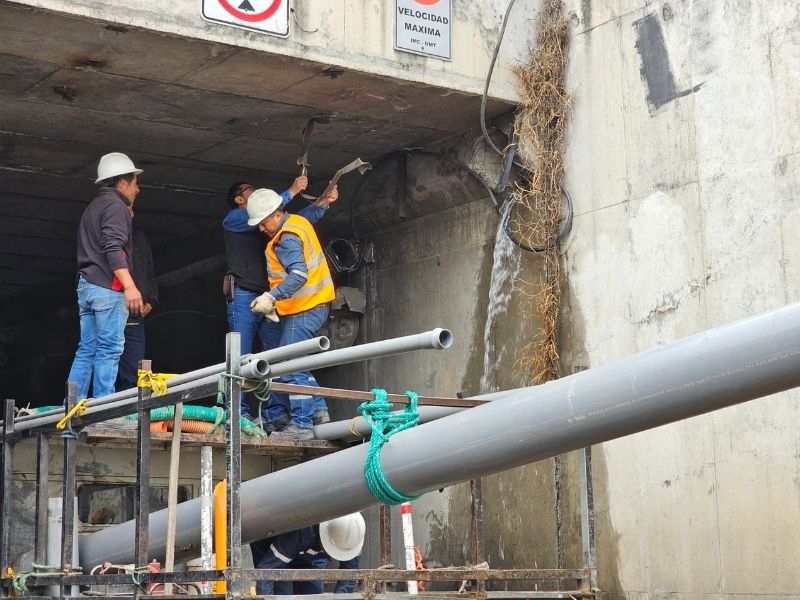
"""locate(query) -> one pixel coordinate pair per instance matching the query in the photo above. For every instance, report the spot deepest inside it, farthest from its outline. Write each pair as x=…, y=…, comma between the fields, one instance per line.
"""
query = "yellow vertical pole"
x=220, y=532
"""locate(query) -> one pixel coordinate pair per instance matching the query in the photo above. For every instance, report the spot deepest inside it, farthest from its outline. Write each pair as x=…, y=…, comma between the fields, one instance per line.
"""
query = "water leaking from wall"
x=506, y=262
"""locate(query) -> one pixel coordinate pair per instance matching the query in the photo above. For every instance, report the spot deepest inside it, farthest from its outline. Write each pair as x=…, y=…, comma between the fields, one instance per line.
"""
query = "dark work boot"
x=294, y=433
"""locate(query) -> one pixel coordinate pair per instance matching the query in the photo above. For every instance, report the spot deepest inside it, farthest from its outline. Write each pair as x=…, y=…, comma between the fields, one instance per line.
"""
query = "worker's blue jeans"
x=103, y=313
x=300, y=407
x=127, y=377
x=249, y=325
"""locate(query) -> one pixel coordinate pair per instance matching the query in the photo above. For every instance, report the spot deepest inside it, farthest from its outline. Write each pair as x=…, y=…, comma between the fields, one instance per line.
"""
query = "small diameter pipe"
x=357, y=428
x=257, y=364
x=257, y=369
x=436, y=339
x=408, y=542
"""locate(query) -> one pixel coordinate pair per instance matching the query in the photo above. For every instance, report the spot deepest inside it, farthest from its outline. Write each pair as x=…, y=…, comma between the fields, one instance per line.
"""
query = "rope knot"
x=384, y=424
x=155, y=381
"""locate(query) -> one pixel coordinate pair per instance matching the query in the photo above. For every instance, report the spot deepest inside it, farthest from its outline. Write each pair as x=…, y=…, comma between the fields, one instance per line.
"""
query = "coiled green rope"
x=384, y=424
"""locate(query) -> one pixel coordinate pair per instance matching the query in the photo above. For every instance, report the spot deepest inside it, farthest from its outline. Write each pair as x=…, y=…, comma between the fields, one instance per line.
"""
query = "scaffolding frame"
x=374, y=582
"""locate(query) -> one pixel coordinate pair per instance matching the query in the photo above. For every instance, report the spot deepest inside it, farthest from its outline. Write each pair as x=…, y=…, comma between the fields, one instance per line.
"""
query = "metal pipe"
x=317, y=344
x=726, y=366
x=436, y=339
x=353, y=429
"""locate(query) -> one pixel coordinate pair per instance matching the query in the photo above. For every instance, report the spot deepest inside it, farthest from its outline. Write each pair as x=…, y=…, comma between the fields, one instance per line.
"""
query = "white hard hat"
x=342, y=538
x=114, y=164
x=262, y=203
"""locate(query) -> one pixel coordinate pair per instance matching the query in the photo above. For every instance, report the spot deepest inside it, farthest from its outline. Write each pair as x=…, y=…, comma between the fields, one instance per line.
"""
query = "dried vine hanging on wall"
x=535, y=218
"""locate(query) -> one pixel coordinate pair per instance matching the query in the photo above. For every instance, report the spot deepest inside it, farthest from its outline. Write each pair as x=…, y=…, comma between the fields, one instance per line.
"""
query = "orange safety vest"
x=318, y=288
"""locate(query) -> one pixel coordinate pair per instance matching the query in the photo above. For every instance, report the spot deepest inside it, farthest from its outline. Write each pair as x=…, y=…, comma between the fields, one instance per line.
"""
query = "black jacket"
x=143, y=271
x=104, y=235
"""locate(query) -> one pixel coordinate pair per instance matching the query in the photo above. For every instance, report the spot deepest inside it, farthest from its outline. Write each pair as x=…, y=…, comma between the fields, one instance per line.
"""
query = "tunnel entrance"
x=195, y=116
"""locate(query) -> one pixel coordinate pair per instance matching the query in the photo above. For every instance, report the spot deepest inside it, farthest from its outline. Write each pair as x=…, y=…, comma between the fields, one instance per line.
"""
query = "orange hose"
x=158, y=426
x=221, y=532
x=190, y=426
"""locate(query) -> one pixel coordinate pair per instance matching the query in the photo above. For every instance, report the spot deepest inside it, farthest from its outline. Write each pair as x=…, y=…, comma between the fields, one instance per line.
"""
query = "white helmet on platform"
x=113, y=165
x=342, y=538
x=261, y=204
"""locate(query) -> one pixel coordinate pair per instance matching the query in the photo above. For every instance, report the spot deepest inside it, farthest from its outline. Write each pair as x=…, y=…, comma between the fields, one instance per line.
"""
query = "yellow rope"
x=155, y=381
x=78, y=409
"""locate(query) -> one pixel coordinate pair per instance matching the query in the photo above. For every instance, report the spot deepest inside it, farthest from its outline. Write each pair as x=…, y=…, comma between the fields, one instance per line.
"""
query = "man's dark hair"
x=236, y=189
x=113, y=181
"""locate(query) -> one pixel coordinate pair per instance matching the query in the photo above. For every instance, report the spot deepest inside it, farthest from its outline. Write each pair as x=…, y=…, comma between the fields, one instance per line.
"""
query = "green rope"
x=384, y=424
x=261, y=391
x=19, y=581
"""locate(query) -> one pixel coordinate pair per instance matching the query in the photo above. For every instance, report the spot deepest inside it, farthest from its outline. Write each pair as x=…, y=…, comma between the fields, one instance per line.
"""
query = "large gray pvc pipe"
x=732, y=364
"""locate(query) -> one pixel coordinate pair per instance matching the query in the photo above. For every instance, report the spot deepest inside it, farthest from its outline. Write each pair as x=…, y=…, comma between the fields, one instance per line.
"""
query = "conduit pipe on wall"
x=732, y=364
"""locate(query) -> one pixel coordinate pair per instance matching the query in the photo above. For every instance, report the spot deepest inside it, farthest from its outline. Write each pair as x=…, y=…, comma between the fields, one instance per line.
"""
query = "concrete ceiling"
x=194, y=115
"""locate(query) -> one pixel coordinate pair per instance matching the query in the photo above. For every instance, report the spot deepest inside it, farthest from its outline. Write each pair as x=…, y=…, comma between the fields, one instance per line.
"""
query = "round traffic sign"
x=255, y=17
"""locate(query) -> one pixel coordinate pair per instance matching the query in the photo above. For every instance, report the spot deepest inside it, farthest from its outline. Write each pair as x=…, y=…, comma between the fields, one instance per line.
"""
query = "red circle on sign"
x=255, y=17
x=426, y=2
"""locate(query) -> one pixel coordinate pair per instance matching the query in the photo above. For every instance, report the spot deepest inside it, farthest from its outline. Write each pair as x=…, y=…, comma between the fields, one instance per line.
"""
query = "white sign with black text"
x=423, y=27
x=263, y=16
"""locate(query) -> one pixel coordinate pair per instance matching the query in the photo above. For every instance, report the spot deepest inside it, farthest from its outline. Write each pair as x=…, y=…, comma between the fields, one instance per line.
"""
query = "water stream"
x=505, y=268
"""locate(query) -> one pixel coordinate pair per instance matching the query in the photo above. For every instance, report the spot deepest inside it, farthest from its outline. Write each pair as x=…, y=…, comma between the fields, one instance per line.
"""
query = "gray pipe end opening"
x=443, y=338
x=324, y=343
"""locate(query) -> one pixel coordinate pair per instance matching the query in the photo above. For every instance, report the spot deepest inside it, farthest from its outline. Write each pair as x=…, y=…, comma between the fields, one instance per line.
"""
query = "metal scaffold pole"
x=726, y=366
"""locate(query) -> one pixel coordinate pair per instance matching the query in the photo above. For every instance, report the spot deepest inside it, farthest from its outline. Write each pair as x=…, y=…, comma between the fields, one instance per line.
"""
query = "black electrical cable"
x=489, y=80
x=566, y=227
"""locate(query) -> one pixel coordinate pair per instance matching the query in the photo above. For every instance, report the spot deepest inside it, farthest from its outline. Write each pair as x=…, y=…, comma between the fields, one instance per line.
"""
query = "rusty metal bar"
x=394, y=575
x=233, y=456
x=6, y=498
x=587, y=517
x=141, y=498
x=477, y=545
x=68, y=490
x=366, y=396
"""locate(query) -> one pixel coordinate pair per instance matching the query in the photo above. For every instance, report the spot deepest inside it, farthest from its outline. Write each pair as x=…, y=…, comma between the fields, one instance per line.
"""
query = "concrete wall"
x=353, y=34
x=683, y=168
x=435, y=268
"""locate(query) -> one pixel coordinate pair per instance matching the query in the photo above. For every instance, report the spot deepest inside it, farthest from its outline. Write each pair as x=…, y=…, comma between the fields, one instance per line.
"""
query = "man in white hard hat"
x=106, y=290
x=309, y=548
x=246, y=278
x=301, y=289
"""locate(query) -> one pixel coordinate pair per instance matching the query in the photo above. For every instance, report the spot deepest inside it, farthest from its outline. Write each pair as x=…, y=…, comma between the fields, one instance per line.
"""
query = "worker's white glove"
x=265, y=305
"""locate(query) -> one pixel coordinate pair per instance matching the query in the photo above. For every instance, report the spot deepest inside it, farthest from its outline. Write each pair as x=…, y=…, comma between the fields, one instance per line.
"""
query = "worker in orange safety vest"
x=301, y=289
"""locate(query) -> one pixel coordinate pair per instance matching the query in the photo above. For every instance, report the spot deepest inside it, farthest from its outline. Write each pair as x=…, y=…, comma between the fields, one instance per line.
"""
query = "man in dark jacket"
x=106, y=290
x=311, y=548
x=144, y=275
x=246, y=276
